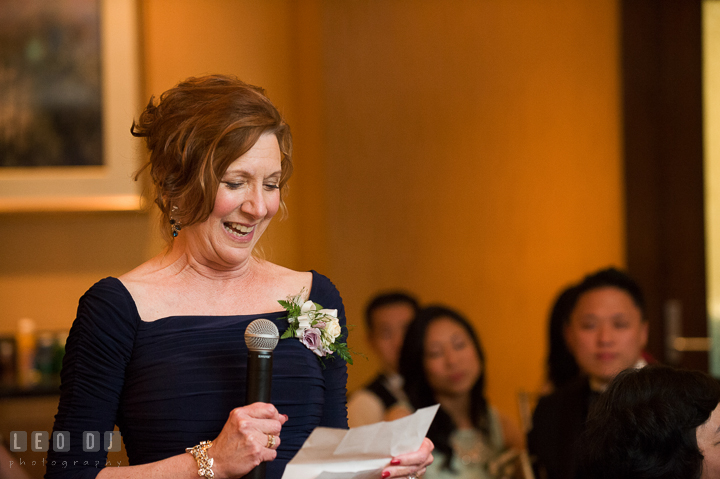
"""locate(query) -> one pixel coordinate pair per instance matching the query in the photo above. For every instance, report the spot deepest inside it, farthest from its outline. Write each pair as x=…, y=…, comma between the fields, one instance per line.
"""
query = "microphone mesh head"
x=261, y=335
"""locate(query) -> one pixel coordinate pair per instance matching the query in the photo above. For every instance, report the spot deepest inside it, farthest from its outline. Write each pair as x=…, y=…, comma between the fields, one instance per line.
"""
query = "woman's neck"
x=458, y=408
x=183, y=257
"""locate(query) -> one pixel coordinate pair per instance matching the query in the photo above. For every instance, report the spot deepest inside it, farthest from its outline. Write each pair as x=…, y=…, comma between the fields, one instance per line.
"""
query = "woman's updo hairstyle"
x=196, y=130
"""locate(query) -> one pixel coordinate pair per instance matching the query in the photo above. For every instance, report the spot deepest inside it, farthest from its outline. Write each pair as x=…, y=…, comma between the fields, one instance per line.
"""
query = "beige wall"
x=467, y=151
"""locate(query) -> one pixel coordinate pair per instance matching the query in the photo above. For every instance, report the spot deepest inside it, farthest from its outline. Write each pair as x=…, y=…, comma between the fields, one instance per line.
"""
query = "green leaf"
x=344, y=352
x=291, y=330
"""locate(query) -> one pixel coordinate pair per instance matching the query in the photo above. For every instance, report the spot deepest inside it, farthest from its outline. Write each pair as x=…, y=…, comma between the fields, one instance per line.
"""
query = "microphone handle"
x=259, y=385
x=259, y=376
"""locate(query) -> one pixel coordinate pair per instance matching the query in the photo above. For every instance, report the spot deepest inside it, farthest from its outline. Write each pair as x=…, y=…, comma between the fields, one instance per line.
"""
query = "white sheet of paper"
x=361, y=452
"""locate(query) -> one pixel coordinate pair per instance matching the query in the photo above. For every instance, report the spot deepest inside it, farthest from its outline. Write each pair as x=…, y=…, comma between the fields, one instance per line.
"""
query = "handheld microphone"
x=261, y=337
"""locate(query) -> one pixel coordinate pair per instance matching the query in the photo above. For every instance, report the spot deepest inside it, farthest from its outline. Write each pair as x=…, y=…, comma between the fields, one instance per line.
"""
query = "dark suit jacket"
x=558, y=422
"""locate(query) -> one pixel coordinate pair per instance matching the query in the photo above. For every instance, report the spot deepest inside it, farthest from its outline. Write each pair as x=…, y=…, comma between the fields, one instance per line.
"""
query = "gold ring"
x=271, y=441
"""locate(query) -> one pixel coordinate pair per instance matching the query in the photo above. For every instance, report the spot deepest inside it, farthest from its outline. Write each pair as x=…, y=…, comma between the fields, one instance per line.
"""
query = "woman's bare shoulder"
x=139, y=273
x=287, y=279
x=149, y=272
x=153, y=286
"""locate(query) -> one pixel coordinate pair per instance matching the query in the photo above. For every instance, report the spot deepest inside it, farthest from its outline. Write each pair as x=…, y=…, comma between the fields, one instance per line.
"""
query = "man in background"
x=387, y=316
x=606, y=333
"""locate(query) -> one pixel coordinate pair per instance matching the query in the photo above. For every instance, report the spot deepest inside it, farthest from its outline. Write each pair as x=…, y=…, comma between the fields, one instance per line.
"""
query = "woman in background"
x=442, y=362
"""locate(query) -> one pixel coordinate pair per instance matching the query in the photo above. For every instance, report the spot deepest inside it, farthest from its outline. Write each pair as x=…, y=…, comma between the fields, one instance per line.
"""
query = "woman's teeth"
x=237, y=229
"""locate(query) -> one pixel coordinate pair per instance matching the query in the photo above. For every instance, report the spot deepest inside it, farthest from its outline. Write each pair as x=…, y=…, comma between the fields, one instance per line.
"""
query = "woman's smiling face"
x=247, y=199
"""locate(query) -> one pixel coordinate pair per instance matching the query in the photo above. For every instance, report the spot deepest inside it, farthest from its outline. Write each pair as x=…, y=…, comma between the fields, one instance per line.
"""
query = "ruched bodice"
x=171, y=383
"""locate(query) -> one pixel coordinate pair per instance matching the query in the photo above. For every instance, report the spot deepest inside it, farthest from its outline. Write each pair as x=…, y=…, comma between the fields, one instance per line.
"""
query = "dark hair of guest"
x=418, y=389
x=614, y=278
x=388, y=299
x=644, y=425
x=195, y=132
x=561, y=365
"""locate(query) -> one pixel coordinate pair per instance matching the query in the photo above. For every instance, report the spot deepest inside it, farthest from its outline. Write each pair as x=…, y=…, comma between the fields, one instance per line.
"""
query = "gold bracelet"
x=204, y=462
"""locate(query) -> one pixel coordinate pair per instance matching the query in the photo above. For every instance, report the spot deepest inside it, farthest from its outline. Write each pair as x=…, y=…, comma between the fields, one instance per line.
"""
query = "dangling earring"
x=175, y=225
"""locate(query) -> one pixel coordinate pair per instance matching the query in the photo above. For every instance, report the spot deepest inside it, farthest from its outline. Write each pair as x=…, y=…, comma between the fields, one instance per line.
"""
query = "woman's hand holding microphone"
x=250, y=436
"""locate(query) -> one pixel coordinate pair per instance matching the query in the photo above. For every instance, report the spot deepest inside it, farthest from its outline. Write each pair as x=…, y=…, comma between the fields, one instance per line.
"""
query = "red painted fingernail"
x=395, y=462
x=386, y=474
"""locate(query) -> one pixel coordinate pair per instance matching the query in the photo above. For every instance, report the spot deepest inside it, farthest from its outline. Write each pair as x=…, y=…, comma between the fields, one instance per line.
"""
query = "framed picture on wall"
x=69, y=90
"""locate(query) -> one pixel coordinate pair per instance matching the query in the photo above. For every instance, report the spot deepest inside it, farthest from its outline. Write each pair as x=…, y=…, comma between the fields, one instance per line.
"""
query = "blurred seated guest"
x=654, y=423
x=160, y=350
x=442, y=362
x=387, y=316
x=561, y=365
x=606, y=332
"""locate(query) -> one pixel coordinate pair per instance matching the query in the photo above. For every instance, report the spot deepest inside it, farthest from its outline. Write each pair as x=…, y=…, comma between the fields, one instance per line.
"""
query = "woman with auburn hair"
x=443, y=362
x=160, y=350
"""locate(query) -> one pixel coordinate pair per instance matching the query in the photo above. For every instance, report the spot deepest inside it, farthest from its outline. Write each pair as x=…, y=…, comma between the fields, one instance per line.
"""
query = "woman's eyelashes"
x=232, y=185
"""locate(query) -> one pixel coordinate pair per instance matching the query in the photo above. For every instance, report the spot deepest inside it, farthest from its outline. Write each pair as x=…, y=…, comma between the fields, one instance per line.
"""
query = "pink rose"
x=312, y=340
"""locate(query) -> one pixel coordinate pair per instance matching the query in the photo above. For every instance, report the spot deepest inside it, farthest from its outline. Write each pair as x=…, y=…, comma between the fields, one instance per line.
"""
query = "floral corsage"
x=317, y=328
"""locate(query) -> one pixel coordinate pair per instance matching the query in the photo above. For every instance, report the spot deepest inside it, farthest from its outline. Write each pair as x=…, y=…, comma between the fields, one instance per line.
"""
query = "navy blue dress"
x=171, y=383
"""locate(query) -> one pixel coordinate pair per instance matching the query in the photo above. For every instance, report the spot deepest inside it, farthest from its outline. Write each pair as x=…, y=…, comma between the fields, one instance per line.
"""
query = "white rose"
x=332, y=329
